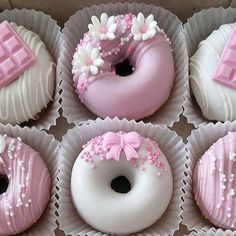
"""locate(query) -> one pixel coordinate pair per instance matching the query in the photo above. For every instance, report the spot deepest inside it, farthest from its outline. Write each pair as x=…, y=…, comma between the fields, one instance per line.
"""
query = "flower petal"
x=151, y=33
x=111, y=36
x=91, y=27
x=83, y=52
x=94, y=53
x=112, y=28
x=84, y=69
x=145, y=36
x=149, y=19
x=98, y=62
x=95, y=21
x=134, y=30
x=148, y=35
x=104, y=18
x=78, y=58
x=138, y=37
x=135, y=22
x=88, y=48
x=152, y=25
x=140, y=18
x=103, y=37
x=93, y=69
x=111, y=20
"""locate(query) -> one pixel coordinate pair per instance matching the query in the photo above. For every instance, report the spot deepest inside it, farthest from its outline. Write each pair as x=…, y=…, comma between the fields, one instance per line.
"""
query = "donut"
x=28, y=92
x=123, y=66
x=214, y=183
x=212, y=76
x=121, y=183
x=25, y=185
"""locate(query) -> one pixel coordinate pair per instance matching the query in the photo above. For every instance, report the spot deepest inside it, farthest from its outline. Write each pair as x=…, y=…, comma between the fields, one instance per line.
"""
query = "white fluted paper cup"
x=75, y=111
x=170, y=144
x=48, y=149
x=49, y=33
x=199, y=142
x=198, y=28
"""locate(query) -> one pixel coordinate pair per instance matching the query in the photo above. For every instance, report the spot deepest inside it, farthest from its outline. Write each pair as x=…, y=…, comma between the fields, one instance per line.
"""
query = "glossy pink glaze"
x=134, y=96
x=214, y=183
x=29, y=187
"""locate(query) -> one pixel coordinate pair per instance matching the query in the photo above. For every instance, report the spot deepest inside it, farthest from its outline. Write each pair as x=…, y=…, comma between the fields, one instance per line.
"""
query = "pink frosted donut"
x=215, y=183
x=24, y=186
x=123, y=66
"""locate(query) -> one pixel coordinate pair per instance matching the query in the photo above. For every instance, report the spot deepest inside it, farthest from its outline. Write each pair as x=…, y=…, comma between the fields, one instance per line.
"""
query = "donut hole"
x=124, y=68
x=4, y=182
x=121, y=184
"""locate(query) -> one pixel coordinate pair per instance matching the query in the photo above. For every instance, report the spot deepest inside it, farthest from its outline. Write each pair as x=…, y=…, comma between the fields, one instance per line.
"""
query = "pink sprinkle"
x=143, y=29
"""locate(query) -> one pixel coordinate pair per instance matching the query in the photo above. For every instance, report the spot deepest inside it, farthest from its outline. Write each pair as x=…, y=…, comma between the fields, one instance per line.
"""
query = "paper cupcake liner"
x=169, y=142
x=198, y=28
x=49, y=33
x=199, y=142
x=76, y=112
x=48, y=148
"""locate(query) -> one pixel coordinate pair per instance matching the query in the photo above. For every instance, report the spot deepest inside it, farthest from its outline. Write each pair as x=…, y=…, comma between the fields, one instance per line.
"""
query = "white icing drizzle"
x=2, y=145
x=24, y=98
x=215, y=100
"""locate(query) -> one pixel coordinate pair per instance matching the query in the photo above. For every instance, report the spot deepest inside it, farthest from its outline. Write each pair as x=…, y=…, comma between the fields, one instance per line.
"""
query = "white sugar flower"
x=87, y=59
x=143, y=29
x=103, y=29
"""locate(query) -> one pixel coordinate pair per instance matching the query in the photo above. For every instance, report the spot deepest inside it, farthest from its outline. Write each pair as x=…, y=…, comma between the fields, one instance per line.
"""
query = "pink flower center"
x=103, y=30
x=142, y=29
x=88, y=62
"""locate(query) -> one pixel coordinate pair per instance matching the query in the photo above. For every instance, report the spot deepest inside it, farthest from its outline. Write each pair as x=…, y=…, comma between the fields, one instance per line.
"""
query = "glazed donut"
x=214, y=183
x=121, y=183
x=211, y=75
x=109, y=43
x=25, y=97
x=25, y=185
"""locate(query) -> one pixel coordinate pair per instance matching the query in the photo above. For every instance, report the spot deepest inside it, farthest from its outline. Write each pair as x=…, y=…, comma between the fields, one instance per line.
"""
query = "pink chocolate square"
x=226, y=70
x=15, y=56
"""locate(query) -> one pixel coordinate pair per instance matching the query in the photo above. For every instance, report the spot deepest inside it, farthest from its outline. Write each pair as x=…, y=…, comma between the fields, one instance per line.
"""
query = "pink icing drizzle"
x=29, y=187
x=215, y=183
x=226, y=70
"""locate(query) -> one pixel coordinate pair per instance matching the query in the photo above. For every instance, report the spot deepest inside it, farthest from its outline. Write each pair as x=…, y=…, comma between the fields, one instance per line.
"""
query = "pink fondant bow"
x=116, y=142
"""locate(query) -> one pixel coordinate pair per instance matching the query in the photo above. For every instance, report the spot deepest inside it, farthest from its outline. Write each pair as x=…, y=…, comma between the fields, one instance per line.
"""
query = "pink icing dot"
x=88, y=61
x=143, y=29
x=103, y=29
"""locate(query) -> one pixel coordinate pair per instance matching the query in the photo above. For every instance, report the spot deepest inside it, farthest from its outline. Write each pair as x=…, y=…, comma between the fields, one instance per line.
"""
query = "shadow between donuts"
x=4, y=182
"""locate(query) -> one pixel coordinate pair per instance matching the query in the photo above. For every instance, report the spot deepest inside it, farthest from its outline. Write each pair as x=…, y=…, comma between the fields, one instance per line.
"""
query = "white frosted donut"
x=24, y=98
x=216, y=101
x=121, y=183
